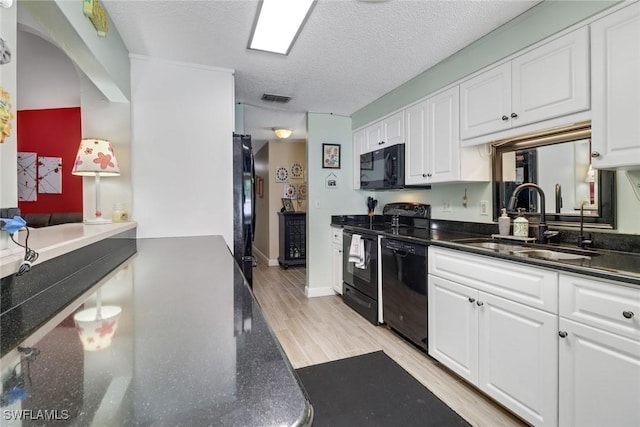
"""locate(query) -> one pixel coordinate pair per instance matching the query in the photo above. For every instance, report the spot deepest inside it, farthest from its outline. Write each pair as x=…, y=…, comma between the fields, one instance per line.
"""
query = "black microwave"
x=382, y=169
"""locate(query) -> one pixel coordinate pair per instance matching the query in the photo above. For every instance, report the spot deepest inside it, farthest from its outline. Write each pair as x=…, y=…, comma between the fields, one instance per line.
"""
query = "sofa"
x=37, y=220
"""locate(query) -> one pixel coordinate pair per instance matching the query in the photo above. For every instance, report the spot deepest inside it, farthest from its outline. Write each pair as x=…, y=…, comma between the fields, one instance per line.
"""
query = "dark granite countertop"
x=189, y=346
x=607, y=264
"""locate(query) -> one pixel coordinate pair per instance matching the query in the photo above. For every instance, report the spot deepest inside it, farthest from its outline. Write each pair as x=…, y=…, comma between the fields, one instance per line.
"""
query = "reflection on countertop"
x=191, y=347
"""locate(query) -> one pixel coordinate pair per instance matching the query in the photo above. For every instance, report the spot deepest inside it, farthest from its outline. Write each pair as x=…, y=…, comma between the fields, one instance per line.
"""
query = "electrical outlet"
x=484, y=207
x=446, y=206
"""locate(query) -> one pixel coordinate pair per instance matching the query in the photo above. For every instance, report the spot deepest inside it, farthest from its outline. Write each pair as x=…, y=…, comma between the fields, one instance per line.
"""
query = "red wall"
x=53, y=133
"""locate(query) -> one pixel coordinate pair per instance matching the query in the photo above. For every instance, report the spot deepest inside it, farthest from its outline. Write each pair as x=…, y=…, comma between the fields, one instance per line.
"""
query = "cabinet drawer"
x=336, y=235
x=606, y=305
x=535, y=287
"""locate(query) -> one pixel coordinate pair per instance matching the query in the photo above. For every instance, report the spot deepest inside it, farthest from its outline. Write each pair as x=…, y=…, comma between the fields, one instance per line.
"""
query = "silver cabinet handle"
x=595, y=154
x=627, y=314
x=472, y=300
x=514, y=116
x=563, y=334
x=505, y=118
x=479, y=303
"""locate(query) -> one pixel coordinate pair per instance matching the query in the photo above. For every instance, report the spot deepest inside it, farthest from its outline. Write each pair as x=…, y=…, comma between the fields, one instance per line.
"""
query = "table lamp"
x=96, y=158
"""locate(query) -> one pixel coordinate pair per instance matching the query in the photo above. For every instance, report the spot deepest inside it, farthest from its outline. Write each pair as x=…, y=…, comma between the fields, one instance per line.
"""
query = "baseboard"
x=270, y=262
x=318, y=292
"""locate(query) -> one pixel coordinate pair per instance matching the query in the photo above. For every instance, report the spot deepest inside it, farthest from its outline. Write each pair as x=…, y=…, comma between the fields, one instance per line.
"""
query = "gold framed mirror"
x=559, y=161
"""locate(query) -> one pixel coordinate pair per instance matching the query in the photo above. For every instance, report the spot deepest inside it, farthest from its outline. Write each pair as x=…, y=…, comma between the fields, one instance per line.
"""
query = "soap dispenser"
x=504, y=223
x=521, y=225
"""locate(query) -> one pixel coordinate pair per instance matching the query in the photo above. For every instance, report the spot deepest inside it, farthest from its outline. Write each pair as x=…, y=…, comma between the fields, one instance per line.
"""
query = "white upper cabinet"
x=393, y=129
x=386, y=132
x=433, y=152
x=359, y=143
x=443, y=139
x=373, y=137
x=545, y=83
x=416, y=150
x=485, y=102
x=615, y=69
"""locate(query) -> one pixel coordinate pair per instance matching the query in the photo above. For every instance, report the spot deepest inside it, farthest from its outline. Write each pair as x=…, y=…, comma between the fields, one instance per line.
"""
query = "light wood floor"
x=322, y=329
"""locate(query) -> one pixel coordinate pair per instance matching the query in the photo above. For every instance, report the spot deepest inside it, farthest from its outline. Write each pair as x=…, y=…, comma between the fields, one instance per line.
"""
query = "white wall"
x=41, y=87
x=324, y=202
x=112, y=121
x=181, y=158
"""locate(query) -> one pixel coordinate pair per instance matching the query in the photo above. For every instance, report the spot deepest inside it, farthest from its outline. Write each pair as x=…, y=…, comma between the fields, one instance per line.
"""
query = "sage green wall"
x=322, y=201
x=541, y=21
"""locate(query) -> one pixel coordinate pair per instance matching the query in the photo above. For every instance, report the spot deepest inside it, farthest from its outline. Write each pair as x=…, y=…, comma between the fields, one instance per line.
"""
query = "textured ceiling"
x=348, y=54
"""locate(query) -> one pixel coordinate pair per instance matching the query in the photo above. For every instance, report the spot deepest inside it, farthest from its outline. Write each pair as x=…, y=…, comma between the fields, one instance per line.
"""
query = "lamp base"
x=97, y=221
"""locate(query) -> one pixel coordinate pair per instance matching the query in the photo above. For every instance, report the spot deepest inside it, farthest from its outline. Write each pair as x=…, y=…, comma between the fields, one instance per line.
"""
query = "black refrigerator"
x=244, y=211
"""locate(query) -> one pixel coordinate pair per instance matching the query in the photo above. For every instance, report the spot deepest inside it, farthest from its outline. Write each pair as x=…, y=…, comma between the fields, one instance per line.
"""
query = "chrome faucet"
x=582, y=242
x=543, y=233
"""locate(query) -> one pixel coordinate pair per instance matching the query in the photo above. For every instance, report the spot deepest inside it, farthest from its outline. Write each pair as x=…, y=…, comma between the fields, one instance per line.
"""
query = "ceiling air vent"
x=276, y=98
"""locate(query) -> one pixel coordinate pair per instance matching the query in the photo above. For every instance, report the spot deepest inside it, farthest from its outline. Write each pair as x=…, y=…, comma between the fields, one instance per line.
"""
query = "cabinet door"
x=374, y=136
x=393, y=129
x=336, y=268
x=615, y=68
x=359, y=145
x=416, y=155
x=518, y=347
x=599, y=377
x=551, y=80
x=453, y=326
x=485, y=102
x=443, y=138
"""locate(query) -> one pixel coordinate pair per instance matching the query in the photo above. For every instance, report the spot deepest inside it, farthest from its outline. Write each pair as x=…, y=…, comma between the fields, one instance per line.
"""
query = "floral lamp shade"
x=95, y=157
x=97, y=326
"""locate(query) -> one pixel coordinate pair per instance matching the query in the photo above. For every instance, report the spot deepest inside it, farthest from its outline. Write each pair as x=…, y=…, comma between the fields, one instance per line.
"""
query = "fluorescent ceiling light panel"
x=278, y=24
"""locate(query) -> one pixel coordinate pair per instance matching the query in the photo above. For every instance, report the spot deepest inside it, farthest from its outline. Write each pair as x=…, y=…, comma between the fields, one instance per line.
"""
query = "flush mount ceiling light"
x=278, y=24
x=282, y=133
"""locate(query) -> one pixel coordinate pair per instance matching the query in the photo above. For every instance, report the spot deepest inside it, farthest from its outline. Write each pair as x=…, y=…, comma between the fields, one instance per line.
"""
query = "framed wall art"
x=331, y=156
x=287, y=204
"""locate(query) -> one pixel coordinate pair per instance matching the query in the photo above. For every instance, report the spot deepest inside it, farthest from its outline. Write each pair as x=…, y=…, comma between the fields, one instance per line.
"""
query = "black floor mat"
x=372, y=390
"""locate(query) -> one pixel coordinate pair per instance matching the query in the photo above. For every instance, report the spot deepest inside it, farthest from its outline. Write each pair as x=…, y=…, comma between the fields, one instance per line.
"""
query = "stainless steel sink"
x=553, y=255
x=533, y=251
x=498, y=246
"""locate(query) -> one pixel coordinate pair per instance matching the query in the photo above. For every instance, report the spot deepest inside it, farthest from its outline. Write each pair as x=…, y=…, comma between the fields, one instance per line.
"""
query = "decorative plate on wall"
x=296, y=170
x=302, y=191
x=290, y=191
x=282, y=174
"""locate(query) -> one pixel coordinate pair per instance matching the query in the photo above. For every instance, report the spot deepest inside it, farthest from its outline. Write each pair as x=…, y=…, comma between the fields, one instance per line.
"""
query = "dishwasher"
x=404, y=289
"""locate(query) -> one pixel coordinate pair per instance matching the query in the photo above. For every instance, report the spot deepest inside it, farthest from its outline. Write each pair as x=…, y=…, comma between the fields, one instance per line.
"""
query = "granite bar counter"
x=180, y=341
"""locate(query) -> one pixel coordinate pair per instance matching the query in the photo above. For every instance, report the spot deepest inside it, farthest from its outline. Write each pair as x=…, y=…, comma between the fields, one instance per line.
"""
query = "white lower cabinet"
x=599, y=377
x=506, y=348
x=453, y=326
x=599, y=353
x=336, y=259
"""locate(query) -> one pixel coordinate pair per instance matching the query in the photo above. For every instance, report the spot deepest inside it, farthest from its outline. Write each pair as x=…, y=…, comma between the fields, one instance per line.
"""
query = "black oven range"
x=384, y=275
